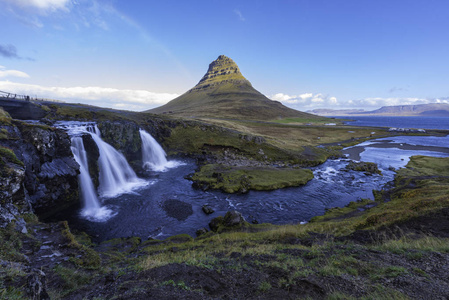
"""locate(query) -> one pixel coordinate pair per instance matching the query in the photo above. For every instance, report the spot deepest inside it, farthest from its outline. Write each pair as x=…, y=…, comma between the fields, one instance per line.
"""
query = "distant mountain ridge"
x=432, y=109
x=224, y=92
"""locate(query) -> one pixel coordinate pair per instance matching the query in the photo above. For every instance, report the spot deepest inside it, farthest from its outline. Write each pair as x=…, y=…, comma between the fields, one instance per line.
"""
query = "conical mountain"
x=223, y=92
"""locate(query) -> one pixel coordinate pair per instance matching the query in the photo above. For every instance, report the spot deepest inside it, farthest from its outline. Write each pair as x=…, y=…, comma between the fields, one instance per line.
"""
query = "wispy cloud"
x=240, y=15
x=9, y=51
x=310, y=101
x=44, y=6
x=137, y=100
x=397, y=89
x=4, y=73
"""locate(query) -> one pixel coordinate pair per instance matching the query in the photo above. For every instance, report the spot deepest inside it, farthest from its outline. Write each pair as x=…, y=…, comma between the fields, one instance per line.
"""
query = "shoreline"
x=354, y=152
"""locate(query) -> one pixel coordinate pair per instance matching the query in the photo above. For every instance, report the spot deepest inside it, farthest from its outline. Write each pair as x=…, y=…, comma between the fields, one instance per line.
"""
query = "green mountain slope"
x=224, y=92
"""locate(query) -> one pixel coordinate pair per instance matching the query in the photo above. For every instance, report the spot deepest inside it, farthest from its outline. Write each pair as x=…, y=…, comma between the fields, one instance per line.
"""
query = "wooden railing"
x=12, y=96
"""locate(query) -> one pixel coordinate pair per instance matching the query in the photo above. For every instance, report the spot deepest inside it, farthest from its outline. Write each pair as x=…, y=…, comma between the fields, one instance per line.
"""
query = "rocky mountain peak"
x=222, y=70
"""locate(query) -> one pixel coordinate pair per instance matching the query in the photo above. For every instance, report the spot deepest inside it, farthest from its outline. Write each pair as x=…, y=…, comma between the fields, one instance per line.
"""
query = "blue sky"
x=139, y=54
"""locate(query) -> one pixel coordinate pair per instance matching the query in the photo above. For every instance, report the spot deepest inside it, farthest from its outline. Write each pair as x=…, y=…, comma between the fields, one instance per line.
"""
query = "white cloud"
x=105, y=97
x=305, y=100
x=12, y=73
x=239, y=14
x=309, y=101
x=43, y=5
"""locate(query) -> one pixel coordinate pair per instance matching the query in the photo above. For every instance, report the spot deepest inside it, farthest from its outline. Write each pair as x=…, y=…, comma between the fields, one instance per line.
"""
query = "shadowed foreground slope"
x=395, y=249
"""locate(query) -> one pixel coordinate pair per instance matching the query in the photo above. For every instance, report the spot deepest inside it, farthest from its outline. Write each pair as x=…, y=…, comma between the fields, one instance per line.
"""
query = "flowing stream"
x=163, y=203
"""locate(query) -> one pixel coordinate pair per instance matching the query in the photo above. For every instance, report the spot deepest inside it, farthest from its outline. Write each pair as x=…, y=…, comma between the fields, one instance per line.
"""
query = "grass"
x=265, y=142
x=304, y=120
x=11, y=243
x=340, y=212
x=294, y=137
x=180, y=284
x=89, y=258
x=422, y=245
x=264, y=286
x=7, y=155
x=5, y=118
x=72, y=279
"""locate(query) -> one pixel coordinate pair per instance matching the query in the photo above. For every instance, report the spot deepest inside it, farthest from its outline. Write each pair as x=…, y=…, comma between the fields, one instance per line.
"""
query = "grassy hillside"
x=229, y=101
x=223, y=92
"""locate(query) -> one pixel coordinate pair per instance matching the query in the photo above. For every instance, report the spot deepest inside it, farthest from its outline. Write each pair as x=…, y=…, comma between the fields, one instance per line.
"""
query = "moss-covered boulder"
x=232, y=220
x=368, y=167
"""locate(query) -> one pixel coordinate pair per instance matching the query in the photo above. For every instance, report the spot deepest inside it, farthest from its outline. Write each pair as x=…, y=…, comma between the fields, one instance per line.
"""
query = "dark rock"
x=58, y=167
x=46, y=121
x=215, y=223
x=201, y=231
x=177, y=209
x=50, y=171
x=93, y=154
x=125, y=137
x=233, y=218
x=37, y=285
x=207, y=209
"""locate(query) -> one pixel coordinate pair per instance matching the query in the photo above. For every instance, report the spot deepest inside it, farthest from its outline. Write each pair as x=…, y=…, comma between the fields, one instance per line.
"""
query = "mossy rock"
x=242, y=179
x=369, y=168
x=232, y=220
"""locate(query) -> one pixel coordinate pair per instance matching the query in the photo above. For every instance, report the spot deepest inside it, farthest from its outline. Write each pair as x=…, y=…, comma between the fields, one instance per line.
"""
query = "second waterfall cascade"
x=153, y=156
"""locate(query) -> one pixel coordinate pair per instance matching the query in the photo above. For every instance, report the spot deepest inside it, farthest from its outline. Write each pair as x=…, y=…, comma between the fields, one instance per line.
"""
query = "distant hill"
x=223, y=92
x=433, y=109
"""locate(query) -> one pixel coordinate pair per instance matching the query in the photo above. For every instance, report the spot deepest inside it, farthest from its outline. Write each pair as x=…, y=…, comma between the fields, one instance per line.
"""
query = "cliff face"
x=123, y=136
x=41, y=173
x=435, y=109
x=221, y=71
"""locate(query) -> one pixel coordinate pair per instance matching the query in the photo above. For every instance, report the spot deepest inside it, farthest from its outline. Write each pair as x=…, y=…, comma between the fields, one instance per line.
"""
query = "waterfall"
x=153, y=156
x=116, y=176
x=92, y=209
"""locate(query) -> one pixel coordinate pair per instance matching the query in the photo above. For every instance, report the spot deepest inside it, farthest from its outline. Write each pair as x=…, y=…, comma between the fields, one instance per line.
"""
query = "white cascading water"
x=92, y=209
x=116, y=176
x=153, y=156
